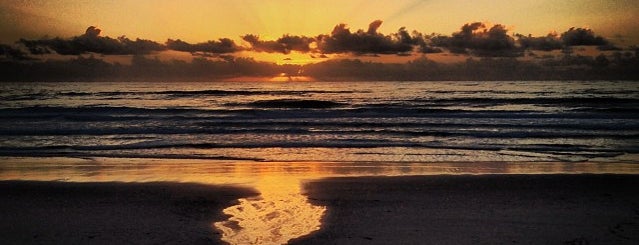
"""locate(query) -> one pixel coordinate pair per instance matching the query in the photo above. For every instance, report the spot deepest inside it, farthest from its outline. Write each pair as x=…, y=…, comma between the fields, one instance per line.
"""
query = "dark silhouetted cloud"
x=373, y=26
x=425, y=43
x=574, y=67
x=548, y=43
x=223, y=46
x=476, y=39
x=284, y=44
x=473, y=39
x=582, y=37
x=91, y=42
x=12, y=53
x=341, y=40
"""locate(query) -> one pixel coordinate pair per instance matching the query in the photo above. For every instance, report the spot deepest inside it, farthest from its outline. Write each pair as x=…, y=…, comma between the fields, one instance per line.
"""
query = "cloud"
x=425, y=43
x=139, y=46
x=548, y=43
x=91, y=42
x=476, y=39
x=341, y=40
x=373, y=26
x=582, y=37
x=472, y=39
x=284, y=44
x=12, y=53
x=223, y=46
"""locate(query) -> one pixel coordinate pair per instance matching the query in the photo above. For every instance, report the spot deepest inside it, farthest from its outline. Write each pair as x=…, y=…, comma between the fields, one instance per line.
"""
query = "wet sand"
x=484, y=209
x=34, y=212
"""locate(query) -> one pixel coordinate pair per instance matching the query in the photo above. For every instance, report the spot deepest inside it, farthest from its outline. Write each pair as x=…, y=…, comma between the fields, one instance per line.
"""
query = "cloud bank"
x=92, y=42
x=222, y=46
x=284, y=44
x=473, y=39
x=341, y=40
x=570, y=67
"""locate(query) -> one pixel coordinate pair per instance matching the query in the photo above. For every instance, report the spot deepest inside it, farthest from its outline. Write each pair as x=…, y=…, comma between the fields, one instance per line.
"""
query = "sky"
x=199, y=21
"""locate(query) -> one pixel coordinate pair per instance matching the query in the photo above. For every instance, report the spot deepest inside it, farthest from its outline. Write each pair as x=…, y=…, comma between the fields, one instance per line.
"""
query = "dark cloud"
x=91, y=42
x=373, y=26
x=12, y=53
x=582, y=37
x=609, y=47
x=139, y=46
x=473, y=39
x=548, y=43
x=341, y=40
x=284, y=44
x=92, y=32
x=574, y=67
x=425, y=43
x=476, y=39
x=223, y=46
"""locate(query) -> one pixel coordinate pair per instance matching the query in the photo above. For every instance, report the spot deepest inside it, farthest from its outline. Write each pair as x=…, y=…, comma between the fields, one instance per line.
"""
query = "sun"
x=292, y=58
x=286, y=77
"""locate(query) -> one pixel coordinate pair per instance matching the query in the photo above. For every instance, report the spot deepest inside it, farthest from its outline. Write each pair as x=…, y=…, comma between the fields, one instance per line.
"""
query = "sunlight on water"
x=279, y=214
x=288, y=78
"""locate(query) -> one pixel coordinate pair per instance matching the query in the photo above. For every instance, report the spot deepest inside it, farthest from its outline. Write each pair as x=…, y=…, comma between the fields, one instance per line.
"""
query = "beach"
x=49, y=212
x=426, y=209
x=477, y=209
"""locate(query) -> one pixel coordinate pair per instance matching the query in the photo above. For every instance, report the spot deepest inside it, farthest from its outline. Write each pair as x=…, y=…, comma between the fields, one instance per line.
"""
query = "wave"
x=211, y=92
x=388, y=123
x=149, y=149
x=124, y=155
x=298, y=110
x=169, y=93
x=294, y=103
x=104, y=110
x=328, y=131
x=481, y=101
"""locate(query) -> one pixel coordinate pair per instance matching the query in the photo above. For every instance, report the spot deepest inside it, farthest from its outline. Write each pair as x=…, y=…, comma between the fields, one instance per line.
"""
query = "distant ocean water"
x=324, y=121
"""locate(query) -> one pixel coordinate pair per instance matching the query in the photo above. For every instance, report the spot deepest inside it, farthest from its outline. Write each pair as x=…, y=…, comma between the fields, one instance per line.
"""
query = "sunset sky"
x=202, y=20
x=198, y=21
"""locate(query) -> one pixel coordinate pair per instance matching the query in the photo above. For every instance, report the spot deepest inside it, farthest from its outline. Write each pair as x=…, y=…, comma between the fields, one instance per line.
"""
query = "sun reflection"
x=285, y=77
x=280, y=214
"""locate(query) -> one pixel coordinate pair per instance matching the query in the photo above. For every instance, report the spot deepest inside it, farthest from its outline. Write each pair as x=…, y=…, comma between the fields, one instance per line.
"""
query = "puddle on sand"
x=278, y=215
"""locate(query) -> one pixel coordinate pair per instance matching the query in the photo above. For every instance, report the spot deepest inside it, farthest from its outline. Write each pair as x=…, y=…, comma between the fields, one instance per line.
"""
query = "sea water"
x=448, y=121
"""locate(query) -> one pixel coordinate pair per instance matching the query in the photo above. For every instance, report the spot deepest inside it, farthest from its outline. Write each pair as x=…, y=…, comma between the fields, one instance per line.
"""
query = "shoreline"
x=471, y=209
x=50, y=212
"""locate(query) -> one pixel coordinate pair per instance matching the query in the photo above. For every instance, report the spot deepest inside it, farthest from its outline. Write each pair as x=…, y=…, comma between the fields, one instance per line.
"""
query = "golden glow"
x=200, y=20
x=293, y=58
x=278, y=215
x=287, y=78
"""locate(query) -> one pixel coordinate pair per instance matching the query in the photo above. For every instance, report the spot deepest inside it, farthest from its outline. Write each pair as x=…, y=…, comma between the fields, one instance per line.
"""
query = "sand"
x=112, y=213
x=487, y=209
x=484, y=209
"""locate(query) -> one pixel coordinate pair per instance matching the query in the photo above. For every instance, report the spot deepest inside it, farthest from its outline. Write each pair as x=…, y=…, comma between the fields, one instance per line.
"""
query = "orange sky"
x=202, y=20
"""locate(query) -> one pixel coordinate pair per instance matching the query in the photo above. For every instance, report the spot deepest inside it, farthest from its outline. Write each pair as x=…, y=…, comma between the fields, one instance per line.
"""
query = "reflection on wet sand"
x=281, y=212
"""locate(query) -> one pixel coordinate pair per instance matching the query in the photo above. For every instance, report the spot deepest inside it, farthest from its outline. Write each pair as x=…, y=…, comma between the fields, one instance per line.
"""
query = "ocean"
x=447, y=121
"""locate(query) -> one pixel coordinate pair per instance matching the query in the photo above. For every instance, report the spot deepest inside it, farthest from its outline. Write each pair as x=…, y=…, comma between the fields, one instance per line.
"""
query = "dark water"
x=324, y=121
